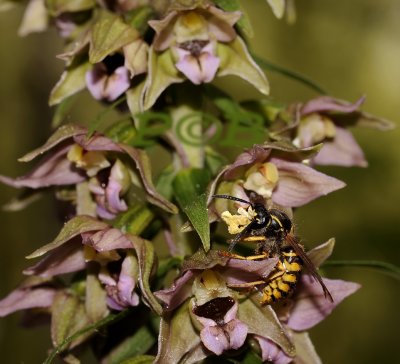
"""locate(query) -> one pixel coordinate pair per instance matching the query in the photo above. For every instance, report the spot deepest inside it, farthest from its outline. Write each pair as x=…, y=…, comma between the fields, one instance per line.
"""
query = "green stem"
x=97, y=325
x=291, y=74
x=387, y=268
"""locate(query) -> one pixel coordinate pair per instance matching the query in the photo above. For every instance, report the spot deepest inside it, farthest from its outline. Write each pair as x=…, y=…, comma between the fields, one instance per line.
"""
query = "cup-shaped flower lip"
x=207, y=22
x=230, y=269
x=215, y=309
x=297, y=184
x=109, y=79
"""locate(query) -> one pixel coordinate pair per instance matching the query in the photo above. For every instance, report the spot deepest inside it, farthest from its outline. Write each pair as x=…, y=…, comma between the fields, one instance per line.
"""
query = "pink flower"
x=277, y=174
x=326, y=120
x=108, y=79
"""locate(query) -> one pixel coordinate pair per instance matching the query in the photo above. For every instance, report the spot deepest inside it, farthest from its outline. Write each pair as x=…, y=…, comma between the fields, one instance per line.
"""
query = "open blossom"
x=220, y=319
x=326, y=120
x=198, y=43
x=110, y=78
x=73, y=159
x=276, y=173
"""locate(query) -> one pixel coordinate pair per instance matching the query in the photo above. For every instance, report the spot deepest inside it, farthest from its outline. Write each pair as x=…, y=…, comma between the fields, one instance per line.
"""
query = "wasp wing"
x=295, y=244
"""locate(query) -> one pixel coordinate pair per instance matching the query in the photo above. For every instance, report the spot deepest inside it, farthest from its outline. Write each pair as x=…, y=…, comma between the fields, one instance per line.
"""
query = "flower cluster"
x=120, y=249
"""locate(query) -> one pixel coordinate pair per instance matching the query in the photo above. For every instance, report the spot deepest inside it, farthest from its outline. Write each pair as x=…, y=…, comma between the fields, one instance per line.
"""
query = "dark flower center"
x=215, y=309
x=194, y=46
x=113, y=62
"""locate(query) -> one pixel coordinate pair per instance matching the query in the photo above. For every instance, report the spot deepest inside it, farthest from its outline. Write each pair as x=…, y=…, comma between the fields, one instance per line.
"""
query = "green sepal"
x=72, y=81
x=243, y=24
x=109, y=34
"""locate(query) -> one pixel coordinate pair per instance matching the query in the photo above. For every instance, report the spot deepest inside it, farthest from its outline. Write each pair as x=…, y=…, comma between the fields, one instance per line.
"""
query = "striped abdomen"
x=282, y=280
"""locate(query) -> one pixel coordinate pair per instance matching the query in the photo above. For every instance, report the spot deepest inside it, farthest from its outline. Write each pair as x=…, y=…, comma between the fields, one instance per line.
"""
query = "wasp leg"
x=246, y=285
x=237, y=256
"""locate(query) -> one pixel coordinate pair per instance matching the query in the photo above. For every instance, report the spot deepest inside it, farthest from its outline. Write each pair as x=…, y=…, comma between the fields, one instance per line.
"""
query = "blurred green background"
x=350, y=48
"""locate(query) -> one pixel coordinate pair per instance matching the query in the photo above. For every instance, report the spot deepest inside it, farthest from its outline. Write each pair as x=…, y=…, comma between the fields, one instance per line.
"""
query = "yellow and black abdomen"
x=282, y=280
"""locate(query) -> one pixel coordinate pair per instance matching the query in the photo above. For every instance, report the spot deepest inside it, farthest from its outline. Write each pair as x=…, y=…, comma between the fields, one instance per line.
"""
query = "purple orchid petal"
x=241, y=271
x=102, y=211
x=299, y=184
x=113, y=190
x=179, y=292
x=214, y=339
x=271, y=352
x=53, y=170
x=220, y=333
x=67, y=258
x=220, y=25
x=198, y=69
x=107, y=87
x=311, y=306
x=97, y=143
x=326, y=103
x=106, y=240
x=237, y=332
x=257, y=154
x=26, y=297
x=343, y=150
x=127, y=282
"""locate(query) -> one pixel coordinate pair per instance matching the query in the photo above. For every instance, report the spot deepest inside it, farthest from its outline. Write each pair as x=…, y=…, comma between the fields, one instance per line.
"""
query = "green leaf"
x=138, y=18
x=251, y=358
x=189, y=188
x=86, y=330
x=135, y=220
x=57, y=7
x=383, y=267
x=244, y=23
x=76, y=226
x=109, y=34
x=142, y=359
x=72, y=81
x=131, y=347
x=288, y=73
x=67, y=316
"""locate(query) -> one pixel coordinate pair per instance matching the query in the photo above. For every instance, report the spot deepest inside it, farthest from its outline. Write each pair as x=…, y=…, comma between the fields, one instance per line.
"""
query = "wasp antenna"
x=227, y=197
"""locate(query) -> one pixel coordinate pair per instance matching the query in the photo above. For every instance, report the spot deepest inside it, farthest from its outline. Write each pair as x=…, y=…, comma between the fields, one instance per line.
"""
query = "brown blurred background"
x=350, y=48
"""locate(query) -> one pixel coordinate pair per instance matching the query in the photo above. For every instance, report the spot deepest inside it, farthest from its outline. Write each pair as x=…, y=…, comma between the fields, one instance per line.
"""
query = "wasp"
x=272, y=230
